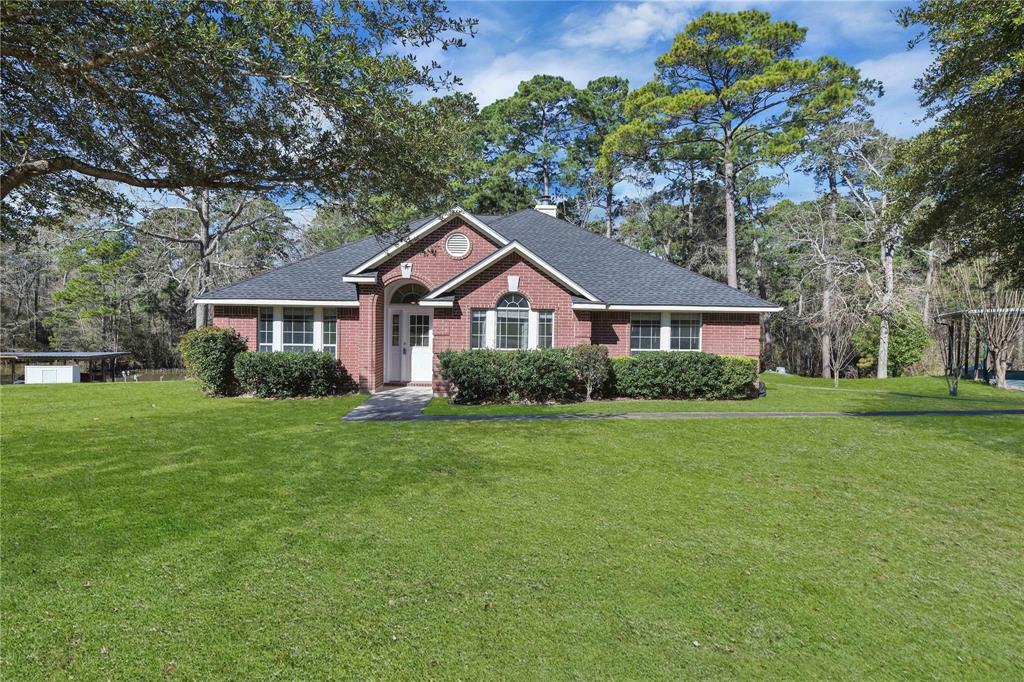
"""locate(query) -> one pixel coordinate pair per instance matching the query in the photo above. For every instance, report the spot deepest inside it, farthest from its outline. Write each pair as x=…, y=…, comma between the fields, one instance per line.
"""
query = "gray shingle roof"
x=617, y=274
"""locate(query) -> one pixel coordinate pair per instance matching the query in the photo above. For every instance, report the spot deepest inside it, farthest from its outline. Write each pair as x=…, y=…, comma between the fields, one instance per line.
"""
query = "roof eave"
x=276, y=301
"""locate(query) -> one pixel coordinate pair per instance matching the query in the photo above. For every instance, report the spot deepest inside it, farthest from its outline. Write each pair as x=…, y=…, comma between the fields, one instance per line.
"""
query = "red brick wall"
x=721, y=333
x=348, y=341
x=240, y=318
x=431, y=264
x=451, y=325
x=731, y=334
x=611, y=329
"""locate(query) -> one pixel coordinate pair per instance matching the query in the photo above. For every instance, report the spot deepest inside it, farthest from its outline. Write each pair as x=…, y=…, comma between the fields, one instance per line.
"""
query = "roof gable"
x=508, y=249
x=422, y=231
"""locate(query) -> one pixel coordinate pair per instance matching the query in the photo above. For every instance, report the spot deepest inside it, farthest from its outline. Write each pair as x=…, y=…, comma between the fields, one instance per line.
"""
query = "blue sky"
x=583, y=40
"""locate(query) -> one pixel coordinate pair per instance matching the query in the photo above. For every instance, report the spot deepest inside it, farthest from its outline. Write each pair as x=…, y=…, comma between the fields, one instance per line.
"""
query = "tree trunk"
x=826, y=294
x=609, y=207
x=203, y=269
x=888, y=247
x=826, y=314
x=999, y=363
x=690, y=201
x=730, y=223
x=928, y=283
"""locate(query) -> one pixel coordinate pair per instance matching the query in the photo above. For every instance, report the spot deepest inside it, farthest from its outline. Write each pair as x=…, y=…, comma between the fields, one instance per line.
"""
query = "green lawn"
x=148, y=532
x=787, y=393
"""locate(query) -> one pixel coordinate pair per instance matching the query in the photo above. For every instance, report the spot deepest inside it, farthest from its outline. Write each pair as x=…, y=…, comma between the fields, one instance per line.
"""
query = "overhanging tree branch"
x=22, y=173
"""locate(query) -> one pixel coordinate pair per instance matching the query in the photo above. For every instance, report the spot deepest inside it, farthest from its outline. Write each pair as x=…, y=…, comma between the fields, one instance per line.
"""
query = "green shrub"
x=209, y=356
x=592, y=368
x=659, y=374
x=289, y=375
x=908, y=339
x=563, y=374
x=540, y=376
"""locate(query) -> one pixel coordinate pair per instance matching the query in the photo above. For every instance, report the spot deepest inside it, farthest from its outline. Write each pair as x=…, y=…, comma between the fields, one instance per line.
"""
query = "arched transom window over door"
x=513, y=322
x=408, y=294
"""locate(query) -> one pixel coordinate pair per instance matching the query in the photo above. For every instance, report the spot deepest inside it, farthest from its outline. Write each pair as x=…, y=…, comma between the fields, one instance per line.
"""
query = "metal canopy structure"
x=958, y=344
x=106, y=360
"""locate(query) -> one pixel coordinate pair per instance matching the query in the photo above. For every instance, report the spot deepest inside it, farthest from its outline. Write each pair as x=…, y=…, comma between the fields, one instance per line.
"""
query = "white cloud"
x=897, y=111
x=829, y=23
x=500, y=77
x=624, y=26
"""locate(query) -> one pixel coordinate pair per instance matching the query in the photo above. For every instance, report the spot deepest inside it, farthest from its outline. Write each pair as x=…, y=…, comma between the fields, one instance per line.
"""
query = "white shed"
x=52, y=374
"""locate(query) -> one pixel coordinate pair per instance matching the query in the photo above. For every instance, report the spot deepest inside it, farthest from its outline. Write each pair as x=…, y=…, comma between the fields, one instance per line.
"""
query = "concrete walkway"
x=569, y=416
x=400, y=403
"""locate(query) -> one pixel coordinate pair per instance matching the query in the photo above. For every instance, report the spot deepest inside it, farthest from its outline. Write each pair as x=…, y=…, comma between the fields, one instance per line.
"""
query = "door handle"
x=404, y=350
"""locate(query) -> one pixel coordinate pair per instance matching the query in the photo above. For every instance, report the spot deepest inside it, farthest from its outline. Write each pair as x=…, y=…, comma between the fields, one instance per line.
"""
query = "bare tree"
x=845, y=317
x=818, y=232
x=202, y=223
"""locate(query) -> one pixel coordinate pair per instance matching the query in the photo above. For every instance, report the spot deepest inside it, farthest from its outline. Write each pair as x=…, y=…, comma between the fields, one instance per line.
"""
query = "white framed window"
x=665, y=331
x=478, y=328
x=685, y=332
x=265, y=331
x=545, y=328
x=513, y=322
x=329, y=335
x=298, y=330
x=645, y=332
x=511, y=325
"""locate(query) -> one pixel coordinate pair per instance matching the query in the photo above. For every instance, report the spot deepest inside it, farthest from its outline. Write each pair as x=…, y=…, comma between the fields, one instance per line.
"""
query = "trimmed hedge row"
x=218, y=359
x=568, y=374
x=289, y=375
x=685, y=376
x=536, y=376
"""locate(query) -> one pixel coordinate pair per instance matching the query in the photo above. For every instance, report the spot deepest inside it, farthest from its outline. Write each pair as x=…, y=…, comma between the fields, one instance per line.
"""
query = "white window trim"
x=532, y=329
x=491, y=329
x=278, y=329
x=665, y=334
x=318, y=329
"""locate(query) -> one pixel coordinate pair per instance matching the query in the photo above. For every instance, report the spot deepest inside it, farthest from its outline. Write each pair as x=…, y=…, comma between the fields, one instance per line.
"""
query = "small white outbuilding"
x=52, y=374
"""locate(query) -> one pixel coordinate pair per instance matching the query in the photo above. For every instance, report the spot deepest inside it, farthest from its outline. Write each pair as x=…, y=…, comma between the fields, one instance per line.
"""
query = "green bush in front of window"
x=664, y=374
x=494, y=376
x=290, y=375
x=209, y=356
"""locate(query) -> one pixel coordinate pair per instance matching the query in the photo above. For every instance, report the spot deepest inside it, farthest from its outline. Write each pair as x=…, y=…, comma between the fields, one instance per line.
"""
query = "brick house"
x=458, y=280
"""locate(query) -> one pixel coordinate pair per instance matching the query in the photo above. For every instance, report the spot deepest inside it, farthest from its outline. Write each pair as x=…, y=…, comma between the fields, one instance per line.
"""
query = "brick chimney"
x=547, y=207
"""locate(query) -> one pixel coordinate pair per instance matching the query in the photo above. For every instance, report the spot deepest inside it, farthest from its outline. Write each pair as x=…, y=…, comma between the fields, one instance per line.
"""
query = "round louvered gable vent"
x=457, y=245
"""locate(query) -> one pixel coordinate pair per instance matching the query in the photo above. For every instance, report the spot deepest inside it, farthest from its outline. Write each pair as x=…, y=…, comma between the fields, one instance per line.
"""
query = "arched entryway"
x=408, y=334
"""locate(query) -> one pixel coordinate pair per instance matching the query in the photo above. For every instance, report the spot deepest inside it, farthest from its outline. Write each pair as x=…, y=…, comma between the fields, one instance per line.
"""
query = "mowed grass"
x=787, y=393
x=149, y=532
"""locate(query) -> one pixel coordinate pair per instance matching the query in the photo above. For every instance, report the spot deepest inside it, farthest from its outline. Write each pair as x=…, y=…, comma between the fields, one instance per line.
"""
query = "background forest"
x=153, y=153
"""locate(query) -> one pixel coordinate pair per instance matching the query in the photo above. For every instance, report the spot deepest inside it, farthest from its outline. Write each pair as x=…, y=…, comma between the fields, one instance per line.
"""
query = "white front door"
x=409, y=345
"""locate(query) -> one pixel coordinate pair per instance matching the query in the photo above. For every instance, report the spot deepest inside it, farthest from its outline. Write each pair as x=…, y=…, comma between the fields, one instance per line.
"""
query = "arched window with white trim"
x=512, y=322
x=408, y=294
